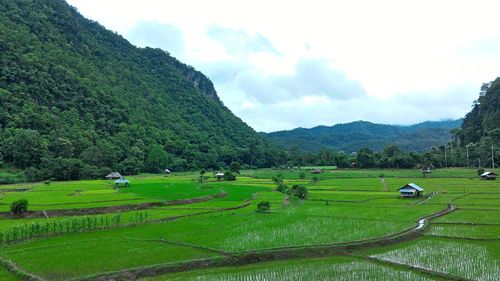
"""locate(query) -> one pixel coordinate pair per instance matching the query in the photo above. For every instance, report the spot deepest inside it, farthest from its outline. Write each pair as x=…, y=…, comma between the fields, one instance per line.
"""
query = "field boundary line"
x=165, y=241
x=426, y=271
x=463, y=238
x=18, y=271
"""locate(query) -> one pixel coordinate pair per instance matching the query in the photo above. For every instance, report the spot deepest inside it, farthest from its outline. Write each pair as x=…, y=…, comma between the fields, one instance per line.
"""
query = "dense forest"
x=78, y=101
x=354, y=136
x=474, y=144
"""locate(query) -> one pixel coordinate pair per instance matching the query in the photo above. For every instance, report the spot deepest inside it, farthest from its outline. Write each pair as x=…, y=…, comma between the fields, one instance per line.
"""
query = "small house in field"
x=219, y=176
x=315, y=171
x=121, y=181
x=166, y=171
x=113, y=176
x=488, y=176
x=411, y=190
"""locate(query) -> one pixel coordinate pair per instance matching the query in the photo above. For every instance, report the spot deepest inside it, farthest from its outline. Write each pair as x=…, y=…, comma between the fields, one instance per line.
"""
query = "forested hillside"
x=353, y=136
x=480, y=131
x=78, y=100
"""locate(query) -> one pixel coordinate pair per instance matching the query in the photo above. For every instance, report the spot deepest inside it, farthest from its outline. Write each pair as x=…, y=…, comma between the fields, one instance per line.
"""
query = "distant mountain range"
x=353, y=136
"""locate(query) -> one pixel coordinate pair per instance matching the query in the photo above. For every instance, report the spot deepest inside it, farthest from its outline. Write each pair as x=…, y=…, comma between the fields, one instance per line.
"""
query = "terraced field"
x=174, y=228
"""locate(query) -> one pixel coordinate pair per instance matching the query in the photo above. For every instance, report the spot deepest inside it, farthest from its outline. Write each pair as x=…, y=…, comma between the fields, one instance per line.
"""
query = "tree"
x=19, y=207
x=278, y=179
x=229, y=176
x=263, y=207
x=235, y=167
x=202, y=172
x=299, y=191
x=157, y=159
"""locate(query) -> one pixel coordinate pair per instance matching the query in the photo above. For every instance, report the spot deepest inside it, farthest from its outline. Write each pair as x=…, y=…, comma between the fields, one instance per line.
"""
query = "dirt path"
x=239, y=259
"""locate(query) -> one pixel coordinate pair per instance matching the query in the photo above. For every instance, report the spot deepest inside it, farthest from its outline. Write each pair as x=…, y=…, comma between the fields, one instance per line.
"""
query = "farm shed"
x=166, y=171
x=122, y=181
x=113, y=175
x=411, y=190
x=315, y=171
x=488, y=176
x=219, y=176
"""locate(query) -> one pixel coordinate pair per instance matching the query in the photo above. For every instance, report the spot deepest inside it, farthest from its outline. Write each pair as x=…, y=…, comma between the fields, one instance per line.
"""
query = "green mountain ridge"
x=351, y=137
x=79, y=100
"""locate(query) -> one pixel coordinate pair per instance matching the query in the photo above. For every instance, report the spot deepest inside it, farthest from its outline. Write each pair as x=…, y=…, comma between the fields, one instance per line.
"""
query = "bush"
x=299, y=191
x=19, y=207
x=278, y=179
x=263, y=206
x=283, y=188
x=315, y=180
x=302, y=175
x=229, y=176
x=480, y=171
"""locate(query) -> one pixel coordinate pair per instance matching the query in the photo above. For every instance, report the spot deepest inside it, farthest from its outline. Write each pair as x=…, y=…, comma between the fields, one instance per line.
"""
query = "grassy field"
x=215, y=220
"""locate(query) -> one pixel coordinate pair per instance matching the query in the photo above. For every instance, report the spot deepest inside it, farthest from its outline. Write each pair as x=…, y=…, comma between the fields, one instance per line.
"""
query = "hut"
x=113, y=176
x=488, y=176
x=411, y=190
x=166, y=171
x=315, y=171
x=121, y=181
x=219, y=176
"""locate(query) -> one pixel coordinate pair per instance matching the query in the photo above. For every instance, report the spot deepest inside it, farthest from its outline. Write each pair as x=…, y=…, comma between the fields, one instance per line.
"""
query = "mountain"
x=480, y=131
x=353, y=136
x=78, y=100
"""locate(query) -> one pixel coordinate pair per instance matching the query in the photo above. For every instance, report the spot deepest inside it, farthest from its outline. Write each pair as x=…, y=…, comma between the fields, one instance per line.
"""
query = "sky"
x=281, y=64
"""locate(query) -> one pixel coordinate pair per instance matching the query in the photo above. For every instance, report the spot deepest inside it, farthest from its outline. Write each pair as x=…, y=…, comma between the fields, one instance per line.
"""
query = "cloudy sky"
x=285, y=64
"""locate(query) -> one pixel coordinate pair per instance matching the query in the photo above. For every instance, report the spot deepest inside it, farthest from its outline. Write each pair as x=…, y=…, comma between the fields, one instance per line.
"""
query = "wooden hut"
x=315, y=171
x=488, y=176
x=219, y=176
x=113, y=176
x=411, y=190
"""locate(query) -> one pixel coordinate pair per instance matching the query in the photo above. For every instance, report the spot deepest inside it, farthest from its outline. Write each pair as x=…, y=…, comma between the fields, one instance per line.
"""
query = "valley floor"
x=352, y=227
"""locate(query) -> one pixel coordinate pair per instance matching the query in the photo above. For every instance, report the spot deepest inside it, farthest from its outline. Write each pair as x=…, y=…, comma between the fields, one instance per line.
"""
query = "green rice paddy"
x=199, y=225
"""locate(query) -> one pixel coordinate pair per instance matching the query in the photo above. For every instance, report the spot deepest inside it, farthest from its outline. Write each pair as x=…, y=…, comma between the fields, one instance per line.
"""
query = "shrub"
x=263, y=206
x=19, y=207
x=278, y=179
x=229, y=176
x=315, y=179
x=299, y=191
x=283, y=188
x=480, y=171
x=302, y=175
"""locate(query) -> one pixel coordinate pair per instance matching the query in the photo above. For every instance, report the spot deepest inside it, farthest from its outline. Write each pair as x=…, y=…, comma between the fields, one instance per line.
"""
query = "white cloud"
x=273, y=61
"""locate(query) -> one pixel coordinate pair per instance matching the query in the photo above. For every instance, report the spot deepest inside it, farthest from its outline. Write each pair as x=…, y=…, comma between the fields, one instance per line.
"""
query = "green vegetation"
x=79, y=101
x=344, y=206
x=263, y=207
x=19, y=207
x=352, y=137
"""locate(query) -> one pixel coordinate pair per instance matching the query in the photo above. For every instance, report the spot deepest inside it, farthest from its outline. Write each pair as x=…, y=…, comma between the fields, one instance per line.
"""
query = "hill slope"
x=356, y=135
x=481, y=128
x=76, y=98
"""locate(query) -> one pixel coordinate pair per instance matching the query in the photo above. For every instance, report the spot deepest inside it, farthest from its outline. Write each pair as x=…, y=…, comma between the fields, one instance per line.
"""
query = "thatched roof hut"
x=113, y=175
x=488, y=176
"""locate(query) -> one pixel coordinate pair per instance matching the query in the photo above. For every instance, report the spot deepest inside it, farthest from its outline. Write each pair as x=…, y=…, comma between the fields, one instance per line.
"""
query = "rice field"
x=344, y=206
x=472, y=260
x=337, y=268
